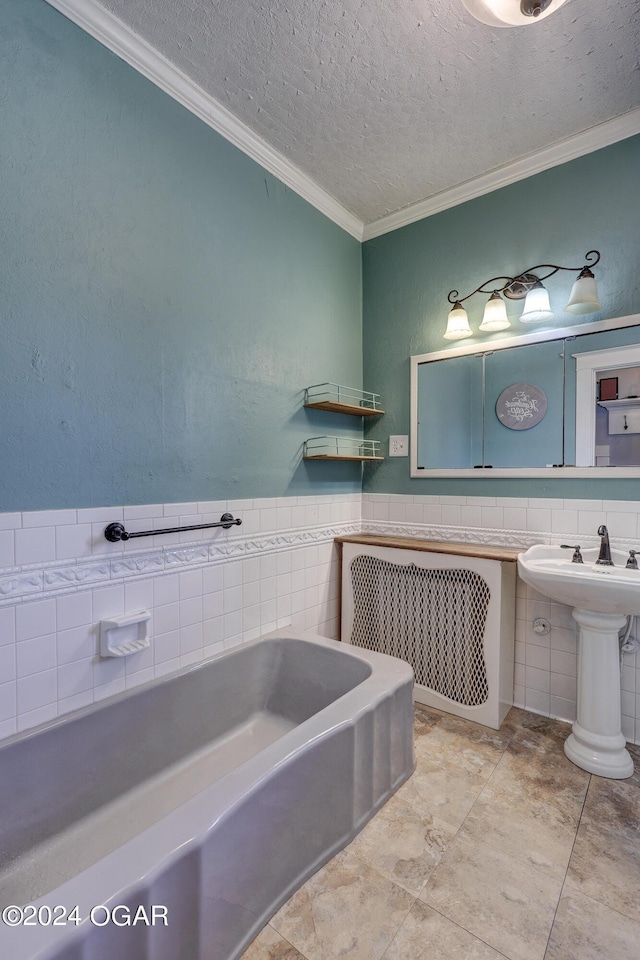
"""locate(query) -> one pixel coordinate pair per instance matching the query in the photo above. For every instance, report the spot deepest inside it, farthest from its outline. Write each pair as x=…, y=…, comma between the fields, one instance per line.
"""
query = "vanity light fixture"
x=511, y=13
x=583, y=299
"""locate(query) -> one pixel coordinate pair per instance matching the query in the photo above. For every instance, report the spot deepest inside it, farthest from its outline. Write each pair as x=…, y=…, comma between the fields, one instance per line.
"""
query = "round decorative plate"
x=521, y=406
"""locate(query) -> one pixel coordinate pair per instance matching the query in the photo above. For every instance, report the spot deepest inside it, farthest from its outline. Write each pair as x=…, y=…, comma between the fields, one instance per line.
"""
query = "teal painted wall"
x=163, y=300
x=554, y=217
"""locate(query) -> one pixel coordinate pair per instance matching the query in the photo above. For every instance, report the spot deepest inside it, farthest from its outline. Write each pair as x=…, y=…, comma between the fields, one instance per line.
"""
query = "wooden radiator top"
x=502, y=554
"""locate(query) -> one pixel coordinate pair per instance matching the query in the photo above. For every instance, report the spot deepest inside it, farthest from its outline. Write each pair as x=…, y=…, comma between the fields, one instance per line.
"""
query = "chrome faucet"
x=605, y=548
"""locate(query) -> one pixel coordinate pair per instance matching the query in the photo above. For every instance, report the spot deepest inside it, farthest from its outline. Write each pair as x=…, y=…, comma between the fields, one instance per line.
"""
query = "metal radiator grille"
x=433, y=619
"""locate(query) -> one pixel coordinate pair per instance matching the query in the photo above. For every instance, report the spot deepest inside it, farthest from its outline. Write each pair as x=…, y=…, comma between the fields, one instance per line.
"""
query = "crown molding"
x=602, y=135
x=120, y=39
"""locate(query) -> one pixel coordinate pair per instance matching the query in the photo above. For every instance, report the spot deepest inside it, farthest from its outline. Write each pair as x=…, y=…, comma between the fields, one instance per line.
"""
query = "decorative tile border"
x=19, y=586
x=487, y=536
x=55, y=579
x=449, y=534
x=78, y=575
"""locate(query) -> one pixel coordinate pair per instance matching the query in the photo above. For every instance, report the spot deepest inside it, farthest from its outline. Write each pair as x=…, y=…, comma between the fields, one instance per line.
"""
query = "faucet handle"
x=577, y=556
x=632, y=563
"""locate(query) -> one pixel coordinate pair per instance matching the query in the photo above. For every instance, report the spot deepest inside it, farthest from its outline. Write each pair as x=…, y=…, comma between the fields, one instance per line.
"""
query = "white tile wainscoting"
x=214, y=588
x=546, y=665
x=206, y=590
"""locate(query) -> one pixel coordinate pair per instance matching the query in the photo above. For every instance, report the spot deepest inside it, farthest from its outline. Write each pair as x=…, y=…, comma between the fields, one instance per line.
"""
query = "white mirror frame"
x=585, y=381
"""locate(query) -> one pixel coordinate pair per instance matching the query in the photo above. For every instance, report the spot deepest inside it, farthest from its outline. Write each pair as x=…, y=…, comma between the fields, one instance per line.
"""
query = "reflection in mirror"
x=618, y=417
x=564, y=399
x=458, y=399
x=448, y=396
x=607, y=389
x=514, y=444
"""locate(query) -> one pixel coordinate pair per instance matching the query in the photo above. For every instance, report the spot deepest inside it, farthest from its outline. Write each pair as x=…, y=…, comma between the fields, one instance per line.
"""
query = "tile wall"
x=213, y=589
x=206, y=591
x=546, y=665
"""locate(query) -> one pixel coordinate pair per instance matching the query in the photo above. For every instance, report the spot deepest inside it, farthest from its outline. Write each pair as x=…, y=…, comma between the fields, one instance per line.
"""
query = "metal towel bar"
x=116, y=531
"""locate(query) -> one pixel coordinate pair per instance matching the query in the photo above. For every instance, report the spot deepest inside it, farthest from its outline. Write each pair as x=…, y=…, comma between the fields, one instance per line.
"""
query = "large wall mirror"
x=564, y=402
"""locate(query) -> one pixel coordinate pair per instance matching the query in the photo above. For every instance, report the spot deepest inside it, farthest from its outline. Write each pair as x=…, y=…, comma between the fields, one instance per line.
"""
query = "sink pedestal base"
x=596, y=743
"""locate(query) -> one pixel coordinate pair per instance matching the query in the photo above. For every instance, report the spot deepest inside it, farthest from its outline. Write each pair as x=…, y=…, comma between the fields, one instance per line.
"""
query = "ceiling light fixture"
x=583, y=299
x=511, y=13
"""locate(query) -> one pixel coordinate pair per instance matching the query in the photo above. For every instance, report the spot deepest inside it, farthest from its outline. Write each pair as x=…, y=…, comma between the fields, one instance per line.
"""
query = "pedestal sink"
x=602, y=598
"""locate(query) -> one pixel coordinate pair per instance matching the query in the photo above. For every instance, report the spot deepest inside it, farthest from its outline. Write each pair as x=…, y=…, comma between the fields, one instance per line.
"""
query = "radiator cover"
x=450, y=617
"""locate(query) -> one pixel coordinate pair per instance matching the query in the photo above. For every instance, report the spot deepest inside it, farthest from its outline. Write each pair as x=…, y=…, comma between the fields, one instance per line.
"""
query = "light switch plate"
x=399, y=446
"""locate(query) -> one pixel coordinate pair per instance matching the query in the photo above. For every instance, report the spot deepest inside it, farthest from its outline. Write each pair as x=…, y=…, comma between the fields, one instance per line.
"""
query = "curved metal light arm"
x=489, y=286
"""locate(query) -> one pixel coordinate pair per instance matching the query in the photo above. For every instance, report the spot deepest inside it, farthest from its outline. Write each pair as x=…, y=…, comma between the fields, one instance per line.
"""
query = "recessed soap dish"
x=121, y=636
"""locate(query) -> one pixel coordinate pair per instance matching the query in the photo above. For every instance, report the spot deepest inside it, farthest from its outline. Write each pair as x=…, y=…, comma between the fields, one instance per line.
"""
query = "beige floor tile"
x=542, y=774
x=443, y=790
x=470, y=746
x=424, y=719
x=403, y=843
x=615, y=806
x=346, y=911
x=606, y=867
x=427, y=935
x=514, y=720
x=532, y=727
x=530, y=830
x=494, y=740
x=269, y=945
x=495, y=897
x=587, y=930
x=634, y=750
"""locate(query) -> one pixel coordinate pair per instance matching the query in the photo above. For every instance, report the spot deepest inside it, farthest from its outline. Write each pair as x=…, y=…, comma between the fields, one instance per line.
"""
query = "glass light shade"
x=584, y=295
x=457, y=323
x=508, y=13
x=536, y=306
x=495, y=314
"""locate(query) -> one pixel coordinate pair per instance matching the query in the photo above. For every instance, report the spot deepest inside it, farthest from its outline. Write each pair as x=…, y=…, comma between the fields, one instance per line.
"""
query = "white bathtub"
x=214, y=792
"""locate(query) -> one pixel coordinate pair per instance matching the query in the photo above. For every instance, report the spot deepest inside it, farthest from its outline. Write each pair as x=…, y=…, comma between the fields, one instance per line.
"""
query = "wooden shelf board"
x=335, y=456
x=351, y=408
x=504, y=554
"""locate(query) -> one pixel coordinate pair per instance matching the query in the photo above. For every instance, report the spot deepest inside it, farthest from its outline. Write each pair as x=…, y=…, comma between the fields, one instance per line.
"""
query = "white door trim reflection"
x=587, y=365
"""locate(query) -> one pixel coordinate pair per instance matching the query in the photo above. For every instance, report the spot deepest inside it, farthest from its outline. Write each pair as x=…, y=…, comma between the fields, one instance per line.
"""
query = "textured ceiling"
x=387, y=102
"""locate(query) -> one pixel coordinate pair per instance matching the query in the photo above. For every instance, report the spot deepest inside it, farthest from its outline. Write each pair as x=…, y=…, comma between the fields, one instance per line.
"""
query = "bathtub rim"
x=142, y=860
x=285, y=633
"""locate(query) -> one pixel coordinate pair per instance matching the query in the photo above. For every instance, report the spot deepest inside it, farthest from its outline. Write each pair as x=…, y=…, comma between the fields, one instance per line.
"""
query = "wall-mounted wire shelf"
x=341, y=448
x=620, y=404
x=340, y=399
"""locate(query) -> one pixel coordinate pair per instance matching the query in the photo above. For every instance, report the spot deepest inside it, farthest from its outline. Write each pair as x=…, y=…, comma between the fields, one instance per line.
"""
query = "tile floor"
x=497, y=847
